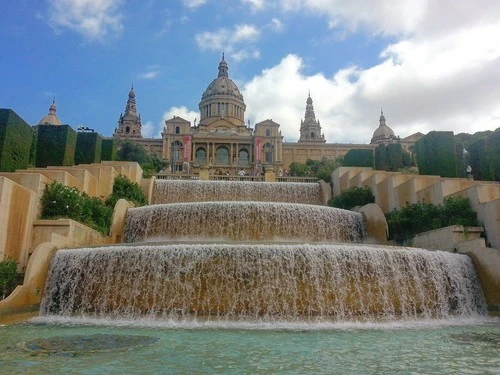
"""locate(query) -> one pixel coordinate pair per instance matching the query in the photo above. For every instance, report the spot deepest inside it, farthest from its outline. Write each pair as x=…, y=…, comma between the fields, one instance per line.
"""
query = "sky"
x=429, y=64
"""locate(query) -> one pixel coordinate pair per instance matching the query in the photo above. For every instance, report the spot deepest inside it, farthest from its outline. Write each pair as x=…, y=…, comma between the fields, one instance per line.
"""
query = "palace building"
x=224, y=141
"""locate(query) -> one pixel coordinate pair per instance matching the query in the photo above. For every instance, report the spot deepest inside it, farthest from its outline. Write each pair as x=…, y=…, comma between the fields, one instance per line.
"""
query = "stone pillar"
x=270, y=175
x=204, y=172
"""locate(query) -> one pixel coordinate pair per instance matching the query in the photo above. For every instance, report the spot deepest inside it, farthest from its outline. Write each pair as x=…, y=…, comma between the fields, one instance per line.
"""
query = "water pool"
x=75, y=347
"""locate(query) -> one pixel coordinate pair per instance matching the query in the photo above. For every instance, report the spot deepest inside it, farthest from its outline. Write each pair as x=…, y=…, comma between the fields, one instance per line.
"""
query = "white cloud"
x=441, y=73
x=276, y=25
x=193, y=3
x=151, y=72
x=181, y=111
x=231, y=40
x=415, y=94
x=147, y=129
x=399, y=17
x=255, y=4
x=94, y=19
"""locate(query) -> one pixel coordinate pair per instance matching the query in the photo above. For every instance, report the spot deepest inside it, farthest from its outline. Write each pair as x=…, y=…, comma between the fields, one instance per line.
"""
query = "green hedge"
x=436, y=154
x=358, y=158
x=391, y=157
x=88, y=148
x=55, y=145
x=484, y=157
x=108, y=149
x=421, y=217
x=15, y=141
x=356, y=196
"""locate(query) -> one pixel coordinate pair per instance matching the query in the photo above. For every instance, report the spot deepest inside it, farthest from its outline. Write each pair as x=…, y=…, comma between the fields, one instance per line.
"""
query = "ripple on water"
x=86, y=343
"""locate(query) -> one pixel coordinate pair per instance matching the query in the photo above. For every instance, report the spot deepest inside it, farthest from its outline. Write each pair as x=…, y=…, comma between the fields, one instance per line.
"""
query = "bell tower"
x=310, y=128
x=129, y=124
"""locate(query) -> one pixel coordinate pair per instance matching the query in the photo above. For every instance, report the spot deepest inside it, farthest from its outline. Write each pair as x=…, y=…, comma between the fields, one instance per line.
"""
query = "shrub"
x=59, y=201
x=55, y=145
x=15, y=141
x=356, y=196
x=358, y=158
x=88, y=148
x=422, y=217
x=436, y=154
x=8, y=276
x=124, y=188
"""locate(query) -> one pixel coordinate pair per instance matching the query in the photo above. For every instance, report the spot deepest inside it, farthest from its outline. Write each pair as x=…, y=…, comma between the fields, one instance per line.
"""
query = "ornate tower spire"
x=310, y=128
x=129, y=124
x=223, y=67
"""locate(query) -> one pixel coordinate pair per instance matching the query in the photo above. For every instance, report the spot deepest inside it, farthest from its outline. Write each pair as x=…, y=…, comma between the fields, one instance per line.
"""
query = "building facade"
x=224, y=141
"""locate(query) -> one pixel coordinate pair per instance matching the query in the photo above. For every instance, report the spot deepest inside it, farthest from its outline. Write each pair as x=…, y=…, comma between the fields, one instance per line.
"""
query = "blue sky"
x=431, y=65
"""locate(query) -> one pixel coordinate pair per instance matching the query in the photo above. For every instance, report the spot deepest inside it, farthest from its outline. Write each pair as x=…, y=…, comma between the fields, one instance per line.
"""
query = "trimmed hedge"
x=88, y=148
x=436, y=154
x=358, y=158
x=484, y=156
x=108, y=149
x=356, y=196
x=15, y=141
x=391, y=157
x=55, y=145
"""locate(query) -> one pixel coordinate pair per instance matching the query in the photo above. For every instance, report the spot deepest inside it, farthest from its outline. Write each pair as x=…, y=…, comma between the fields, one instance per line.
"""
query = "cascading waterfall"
x=247, y=260
x=178, y=191
x=276, y=281
x=243, y=221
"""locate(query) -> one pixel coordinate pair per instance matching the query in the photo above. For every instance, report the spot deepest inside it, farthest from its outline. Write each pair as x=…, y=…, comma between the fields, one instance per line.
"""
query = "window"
x=127, y=130
x=243, y=157
x=268, y=153
x=201, y=156
x=313, y=136
x=176, y=151
x=177, y=130
x=268, y=132
x=222, y=156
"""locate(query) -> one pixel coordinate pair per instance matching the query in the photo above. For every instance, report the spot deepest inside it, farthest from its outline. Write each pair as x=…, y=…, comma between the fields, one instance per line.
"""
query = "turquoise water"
x=425, y=347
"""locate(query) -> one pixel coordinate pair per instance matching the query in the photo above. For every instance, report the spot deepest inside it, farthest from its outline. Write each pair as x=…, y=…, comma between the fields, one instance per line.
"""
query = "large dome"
x=222, y=85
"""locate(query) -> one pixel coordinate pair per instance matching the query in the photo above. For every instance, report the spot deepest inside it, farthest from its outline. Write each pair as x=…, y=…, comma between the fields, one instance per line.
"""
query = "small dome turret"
x=383, y=134
x=51, y=118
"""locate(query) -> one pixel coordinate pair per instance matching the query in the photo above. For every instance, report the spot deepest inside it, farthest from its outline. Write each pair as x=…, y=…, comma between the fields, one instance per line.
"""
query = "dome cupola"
x=383, y=134
x=222, y=98
x=51, y=118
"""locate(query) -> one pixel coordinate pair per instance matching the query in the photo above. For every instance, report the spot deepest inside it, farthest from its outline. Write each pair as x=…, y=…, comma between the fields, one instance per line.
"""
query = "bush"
x=59, y=201
x=15, y=141
x=124, y=188
x=55, y=145
x=421, y=217
x=352, y=197
x=8, y=276
x=358, y=158
x=436, y=154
